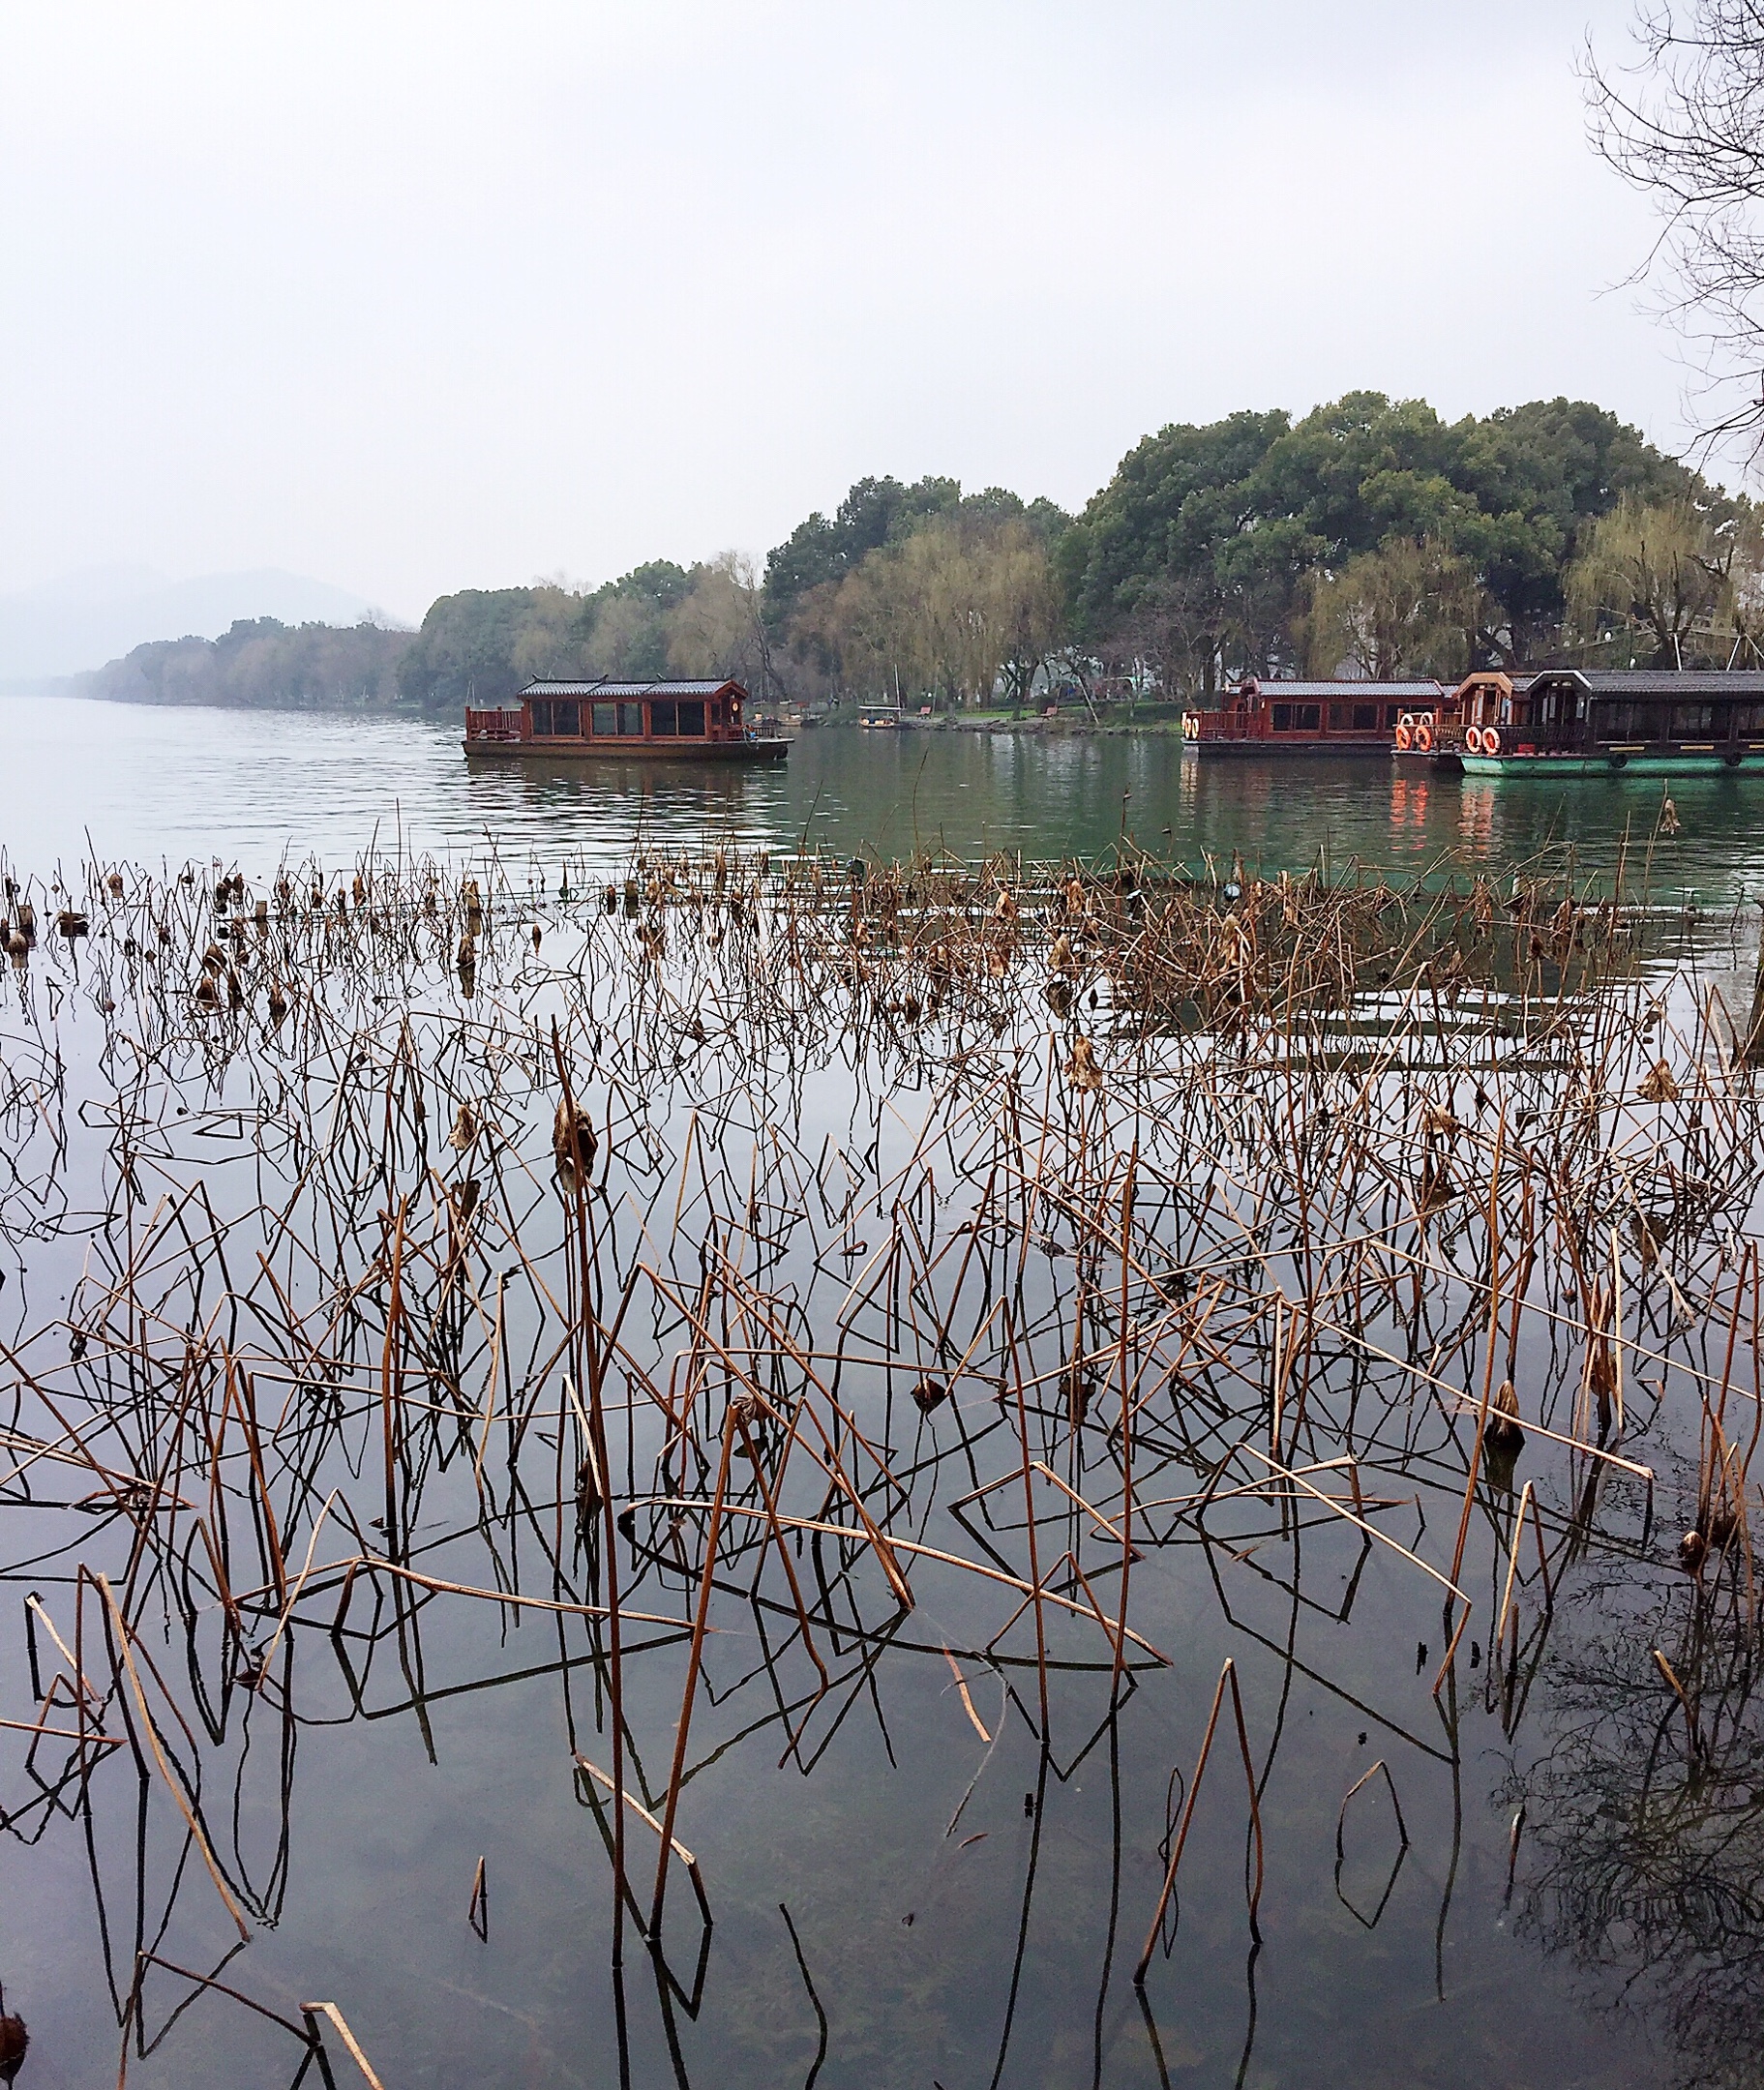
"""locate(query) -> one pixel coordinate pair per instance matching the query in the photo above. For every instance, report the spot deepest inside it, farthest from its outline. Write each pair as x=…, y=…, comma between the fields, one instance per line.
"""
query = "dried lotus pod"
x=1501, y=1434
x=573, y=1142
x=465, y=1128
x=1081, y=1068
x=930, y=1394
x=1657, y=1084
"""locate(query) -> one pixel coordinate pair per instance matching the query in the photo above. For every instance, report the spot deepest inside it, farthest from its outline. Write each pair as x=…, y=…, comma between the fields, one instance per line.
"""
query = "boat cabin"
x=562, y=715
x=1333, y=716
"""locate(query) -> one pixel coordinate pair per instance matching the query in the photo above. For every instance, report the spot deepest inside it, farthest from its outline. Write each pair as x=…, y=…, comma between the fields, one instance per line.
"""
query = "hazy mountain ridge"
x=79, y=620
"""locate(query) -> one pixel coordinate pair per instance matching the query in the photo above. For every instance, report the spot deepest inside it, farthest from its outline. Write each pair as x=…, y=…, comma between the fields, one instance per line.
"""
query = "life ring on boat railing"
x=1403, y=735
x=1473, y=740
x=1491, y=740
x=1424, y=736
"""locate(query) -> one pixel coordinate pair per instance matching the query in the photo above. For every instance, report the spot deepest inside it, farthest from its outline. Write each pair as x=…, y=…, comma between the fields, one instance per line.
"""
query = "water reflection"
x=154, y=783
x=1645, y=1816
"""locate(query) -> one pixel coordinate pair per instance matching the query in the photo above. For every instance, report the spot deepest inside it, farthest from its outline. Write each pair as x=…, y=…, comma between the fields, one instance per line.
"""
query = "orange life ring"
x=1424, y=736
x=1491, y=740
x=1473, y=740
x=1403, y=735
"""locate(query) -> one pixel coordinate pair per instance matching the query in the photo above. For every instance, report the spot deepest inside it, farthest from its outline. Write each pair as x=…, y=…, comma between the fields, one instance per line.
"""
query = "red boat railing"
x=499, y=725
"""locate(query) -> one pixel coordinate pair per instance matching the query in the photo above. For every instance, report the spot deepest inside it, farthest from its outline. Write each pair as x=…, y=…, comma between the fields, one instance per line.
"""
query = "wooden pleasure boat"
x=689, y=721
x=1591, y=721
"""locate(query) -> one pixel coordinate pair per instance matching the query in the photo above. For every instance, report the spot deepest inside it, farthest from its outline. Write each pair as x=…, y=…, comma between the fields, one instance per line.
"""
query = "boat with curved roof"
x=693, y=720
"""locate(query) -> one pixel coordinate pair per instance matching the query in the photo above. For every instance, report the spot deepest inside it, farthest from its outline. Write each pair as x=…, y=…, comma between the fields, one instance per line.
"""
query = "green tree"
x=959, y=606
x=818, y=552
x=1204, y=541
x=623, y=626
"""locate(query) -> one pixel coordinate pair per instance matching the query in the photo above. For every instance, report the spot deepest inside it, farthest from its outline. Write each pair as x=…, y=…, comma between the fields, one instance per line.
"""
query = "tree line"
x=1369, y=537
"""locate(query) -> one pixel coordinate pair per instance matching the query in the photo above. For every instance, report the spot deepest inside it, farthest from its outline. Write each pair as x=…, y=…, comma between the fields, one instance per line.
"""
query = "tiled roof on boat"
x=705, y=686
x=1344, y=688
x=1661, y=681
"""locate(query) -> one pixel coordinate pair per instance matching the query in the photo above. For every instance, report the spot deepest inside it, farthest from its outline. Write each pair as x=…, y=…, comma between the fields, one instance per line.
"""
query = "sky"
x=418, y=297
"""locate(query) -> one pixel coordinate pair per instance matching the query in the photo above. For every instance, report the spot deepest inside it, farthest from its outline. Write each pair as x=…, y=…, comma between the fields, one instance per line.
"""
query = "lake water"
x=927, y=1875
x=156, y=786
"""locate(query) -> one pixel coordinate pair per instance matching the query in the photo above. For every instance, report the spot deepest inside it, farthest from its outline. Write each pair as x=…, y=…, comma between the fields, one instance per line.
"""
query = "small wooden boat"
x=683, y=720
x=1562, y=721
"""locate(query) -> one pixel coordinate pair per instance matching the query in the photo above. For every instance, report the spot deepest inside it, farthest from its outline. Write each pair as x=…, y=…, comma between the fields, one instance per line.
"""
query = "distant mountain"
x=83, y=619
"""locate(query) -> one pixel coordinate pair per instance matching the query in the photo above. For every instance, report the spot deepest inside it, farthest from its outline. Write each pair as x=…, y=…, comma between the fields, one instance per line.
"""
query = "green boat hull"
x=1666, y=761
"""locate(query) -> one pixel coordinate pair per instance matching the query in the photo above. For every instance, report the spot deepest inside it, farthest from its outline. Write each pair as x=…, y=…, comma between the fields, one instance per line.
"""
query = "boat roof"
x=1517, y=679
x=699, y=686
x=1659, y=682
x=1343, y=686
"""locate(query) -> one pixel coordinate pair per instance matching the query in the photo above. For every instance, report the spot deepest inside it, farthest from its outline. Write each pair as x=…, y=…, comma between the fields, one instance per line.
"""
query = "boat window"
x=1747, y=721
x=630, y=722
x=1283, y=718
x=1691, y=721
x=1339, y=717
x=1392, y=712
x=662, y=720
x=566, y=718
x=1311, y=717
x=606, y=721
x=1365, y=718
x=692, y=720
x=542, y=718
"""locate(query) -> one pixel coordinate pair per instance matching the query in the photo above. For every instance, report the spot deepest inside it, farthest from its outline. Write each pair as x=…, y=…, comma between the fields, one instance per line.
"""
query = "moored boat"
x=682, y=721
x=1331, y=717
x=1595, y=721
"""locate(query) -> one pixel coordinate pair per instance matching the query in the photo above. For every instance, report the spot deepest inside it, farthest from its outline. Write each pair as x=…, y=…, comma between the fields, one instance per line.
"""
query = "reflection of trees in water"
x=1646, y=1820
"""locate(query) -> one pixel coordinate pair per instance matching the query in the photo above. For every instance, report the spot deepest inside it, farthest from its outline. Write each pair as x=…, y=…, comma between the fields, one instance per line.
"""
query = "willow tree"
x=1408, y=608
x=1661, y=584
x=956, y=609
x=719, y=626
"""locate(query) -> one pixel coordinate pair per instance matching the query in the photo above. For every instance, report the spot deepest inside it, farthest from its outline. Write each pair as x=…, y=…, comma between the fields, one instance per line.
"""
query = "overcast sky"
x=416, y=297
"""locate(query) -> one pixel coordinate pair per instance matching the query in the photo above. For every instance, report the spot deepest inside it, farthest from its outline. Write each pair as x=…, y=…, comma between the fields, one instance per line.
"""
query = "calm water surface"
x=1630, y=1953
x=250, y=788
